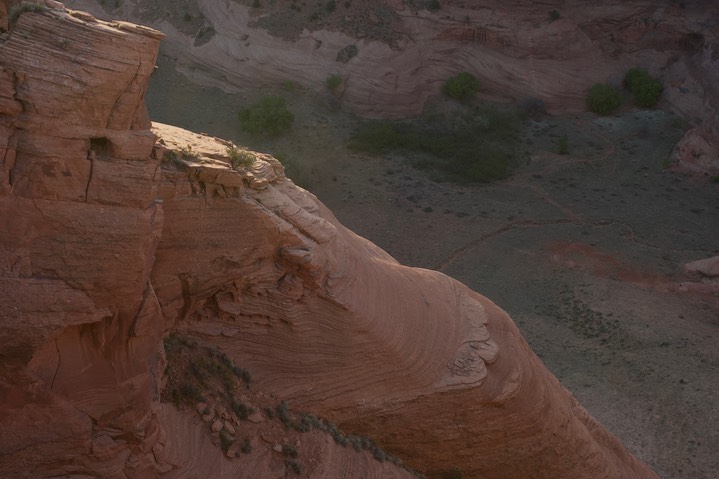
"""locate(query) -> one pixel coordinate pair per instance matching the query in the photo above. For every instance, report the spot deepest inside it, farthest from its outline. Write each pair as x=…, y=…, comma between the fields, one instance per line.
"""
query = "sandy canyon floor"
x=585, y=250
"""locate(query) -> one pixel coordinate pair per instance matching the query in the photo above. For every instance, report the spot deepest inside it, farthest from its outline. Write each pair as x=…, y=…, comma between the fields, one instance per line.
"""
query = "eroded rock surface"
x=115, y=234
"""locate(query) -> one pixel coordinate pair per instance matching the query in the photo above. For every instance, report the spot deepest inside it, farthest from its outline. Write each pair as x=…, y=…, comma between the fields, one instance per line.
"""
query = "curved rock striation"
x=115, y=234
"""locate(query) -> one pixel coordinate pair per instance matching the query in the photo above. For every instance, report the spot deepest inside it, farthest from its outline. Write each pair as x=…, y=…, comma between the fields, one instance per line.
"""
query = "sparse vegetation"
x=603, y=99
x=533, y=108
x=434, y=5
x=210, y=372
x=347, y=53
x=17, y=10
x=269, y=116
x=478, y=145
x=289, y=450
x=453, y=473
x=554, y=16
x=330, y=6
x=226, y=440
x=461, y=87
x=240, y=157
x=241, y=410
x=645, y=89
x=293, y=466
x=187, y=153
x=333, y=81
x=563, y=145
x=290, y=86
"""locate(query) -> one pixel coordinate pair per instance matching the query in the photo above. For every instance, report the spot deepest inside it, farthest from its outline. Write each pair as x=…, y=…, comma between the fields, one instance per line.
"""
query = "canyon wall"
x=393, y=56
x=116, y=233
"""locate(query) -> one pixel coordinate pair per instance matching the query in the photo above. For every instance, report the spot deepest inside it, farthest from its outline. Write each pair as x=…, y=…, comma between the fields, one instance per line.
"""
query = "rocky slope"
x=393, y=55
x=115, y=234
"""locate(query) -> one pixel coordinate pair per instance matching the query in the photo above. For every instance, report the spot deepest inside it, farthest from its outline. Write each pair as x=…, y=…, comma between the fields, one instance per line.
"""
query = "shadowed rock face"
x=104, y=249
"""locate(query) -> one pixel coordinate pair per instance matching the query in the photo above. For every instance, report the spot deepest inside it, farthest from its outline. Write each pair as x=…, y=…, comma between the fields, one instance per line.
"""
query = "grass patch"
x=476, y=146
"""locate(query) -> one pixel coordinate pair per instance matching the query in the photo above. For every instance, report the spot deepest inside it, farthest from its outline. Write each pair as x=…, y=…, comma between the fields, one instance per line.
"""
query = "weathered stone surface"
x=103, y=251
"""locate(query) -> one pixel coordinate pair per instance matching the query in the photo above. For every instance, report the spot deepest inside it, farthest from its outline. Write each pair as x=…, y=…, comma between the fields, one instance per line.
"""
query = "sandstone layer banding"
x=105, y=248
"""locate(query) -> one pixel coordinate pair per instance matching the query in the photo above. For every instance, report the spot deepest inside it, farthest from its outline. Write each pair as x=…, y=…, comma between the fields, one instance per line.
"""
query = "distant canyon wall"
x=552, y=51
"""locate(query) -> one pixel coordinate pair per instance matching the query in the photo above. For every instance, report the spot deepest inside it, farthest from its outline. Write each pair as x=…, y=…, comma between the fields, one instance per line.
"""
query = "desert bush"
x=187, y=153
x=246, y=446
x=333, y=81
x=239, y=157
x=241, y=410
x=461, y=87
x=645, y=89
x=269, y=116
x=289, y=451
x=563, y=145
x=226, y=440
x=434, y=5
x=603, y=99
x=347, y=53
x=294, y=466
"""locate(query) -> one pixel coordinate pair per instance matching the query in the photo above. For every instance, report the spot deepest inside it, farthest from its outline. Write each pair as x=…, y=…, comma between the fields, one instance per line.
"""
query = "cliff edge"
x=115, y=234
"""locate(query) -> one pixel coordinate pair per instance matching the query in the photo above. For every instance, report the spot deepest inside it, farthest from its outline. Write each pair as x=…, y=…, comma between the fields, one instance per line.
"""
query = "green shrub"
x=461, y=87
x=240, y=157
x=333, y=81
x=434, y=5
x=603, y=99
x=554, y=16
x=563, y=145
x=330, y=6
x=646, y=90
x=241, y=410
x=188, y=154
x=226, y=440
x=269, y=116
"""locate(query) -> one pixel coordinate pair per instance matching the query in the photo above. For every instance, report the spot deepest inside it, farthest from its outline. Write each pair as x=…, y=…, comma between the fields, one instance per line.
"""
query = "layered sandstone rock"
x=114, y=235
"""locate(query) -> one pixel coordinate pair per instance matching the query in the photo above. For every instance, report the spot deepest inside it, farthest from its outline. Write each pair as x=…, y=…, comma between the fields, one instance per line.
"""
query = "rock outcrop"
x=549, y=51
x=114, y=235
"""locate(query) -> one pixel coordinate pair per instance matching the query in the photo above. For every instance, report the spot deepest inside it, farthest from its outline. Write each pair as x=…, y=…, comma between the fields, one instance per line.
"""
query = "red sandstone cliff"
x=111, y=238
